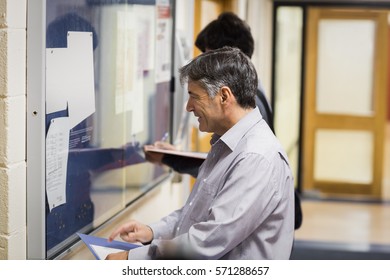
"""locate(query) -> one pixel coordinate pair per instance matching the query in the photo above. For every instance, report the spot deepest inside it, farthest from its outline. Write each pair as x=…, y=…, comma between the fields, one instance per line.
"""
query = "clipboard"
x=101, y=247
x=196, y=155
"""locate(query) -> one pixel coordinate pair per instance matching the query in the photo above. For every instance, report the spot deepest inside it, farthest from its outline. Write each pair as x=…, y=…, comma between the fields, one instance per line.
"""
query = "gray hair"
x=226, y=66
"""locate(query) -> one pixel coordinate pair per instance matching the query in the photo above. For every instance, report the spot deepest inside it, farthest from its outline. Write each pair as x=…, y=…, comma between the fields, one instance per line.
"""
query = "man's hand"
x=118, y=256
x=164, y=145
x=157, y=157
x=152, y=157
x=133, y=231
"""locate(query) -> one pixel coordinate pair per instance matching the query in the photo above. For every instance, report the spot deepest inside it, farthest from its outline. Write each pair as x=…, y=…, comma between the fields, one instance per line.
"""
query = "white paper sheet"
x=57, y=143
x=163, y=42
x=102, y=252
x=70, y=78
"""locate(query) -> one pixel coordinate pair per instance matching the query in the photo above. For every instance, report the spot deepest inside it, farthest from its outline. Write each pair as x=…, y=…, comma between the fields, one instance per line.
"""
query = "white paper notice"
x=127, y=66
x=70, y=78
x=57, y=148
x=163, y=41
x=137, y=123
x=56, y=70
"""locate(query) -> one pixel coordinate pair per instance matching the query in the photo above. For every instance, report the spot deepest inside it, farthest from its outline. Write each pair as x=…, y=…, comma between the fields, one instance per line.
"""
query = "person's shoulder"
x=259, y=139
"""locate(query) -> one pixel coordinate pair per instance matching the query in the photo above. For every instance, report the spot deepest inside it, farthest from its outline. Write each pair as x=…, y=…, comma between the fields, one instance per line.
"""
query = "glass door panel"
x=345, y=66
x=344, y=156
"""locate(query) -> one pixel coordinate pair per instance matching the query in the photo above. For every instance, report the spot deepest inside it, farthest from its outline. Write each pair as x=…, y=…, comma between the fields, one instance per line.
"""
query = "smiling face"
x=208, y=110
x=229, y=77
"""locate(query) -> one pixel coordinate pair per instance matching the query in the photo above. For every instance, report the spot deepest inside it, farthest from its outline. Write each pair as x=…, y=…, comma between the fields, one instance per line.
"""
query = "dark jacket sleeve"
x=265, y=108
x=182, y=165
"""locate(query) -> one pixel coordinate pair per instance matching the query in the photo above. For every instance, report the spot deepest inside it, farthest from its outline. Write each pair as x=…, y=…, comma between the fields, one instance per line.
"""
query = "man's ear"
x=225, y=94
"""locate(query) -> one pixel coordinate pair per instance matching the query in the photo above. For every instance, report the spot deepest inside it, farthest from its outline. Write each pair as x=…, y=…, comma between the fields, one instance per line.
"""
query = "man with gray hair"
x=242, y=204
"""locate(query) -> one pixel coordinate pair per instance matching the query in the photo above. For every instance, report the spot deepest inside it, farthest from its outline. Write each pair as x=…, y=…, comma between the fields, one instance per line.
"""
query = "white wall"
x=12, y=129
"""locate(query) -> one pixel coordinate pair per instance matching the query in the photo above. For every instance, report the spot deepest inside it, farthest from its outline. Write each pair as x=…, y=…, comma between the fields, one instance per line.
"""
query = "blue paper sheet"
x=101, y=247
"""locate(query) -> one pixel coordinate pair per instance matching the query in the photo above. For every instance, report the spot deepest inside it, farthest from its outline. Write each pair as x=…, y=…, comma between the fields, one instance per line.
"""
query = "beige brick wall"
x=12, y=129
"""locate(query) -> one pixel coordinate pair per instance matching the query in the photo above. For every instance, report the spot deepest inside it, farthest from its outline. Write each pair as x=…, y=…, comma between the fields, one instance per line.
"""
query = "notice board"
x=107, y=93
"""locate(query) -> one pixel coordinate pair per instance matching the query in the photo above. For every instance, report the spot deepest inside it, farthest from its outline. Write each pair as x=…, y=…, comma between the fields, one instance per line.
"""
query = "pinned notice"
x=57, y=148
x=70, y=78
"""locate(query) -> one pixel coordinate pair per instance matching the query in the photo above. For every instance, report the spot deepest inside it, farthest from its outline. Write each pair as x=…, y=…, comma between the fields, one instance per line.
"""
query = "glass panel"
x=345, y=156
x=107, y=95
x=287, y=80
x=345, y=67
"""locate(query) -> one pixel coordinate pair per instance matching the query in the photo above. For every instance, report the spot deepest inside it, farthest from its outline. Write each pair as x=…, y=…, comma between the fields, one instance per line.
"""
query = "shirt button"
x=178, y=228
x=190, y=203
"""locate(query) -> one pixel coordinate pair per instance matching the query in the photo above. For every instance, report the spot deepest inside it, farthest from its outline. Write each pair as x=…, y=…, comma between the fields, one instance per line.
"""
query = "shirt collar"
x=235, y=133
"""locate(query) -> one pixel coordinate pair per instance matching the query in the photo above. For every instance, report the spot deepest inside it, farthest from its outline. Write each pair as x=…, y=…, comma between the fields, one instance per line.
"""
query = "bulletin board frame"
x=36, y=14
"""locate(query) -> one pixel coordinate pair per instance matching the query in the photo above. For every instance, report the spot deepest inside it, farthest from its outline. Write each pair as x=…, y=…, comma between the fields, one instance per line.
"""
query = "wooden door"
x=345, y=101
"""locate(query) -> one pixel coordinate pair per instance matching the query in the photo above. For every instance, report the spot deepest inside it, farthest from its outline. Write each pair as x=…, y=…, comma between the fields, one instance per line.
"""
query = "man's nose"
x=189, y=106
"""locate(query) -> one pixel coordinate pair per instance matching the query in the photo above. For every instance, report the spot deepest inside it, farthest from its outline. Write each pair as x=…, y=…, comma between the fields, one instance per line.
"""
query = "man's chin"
x=202, y=129
x=205, y=130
